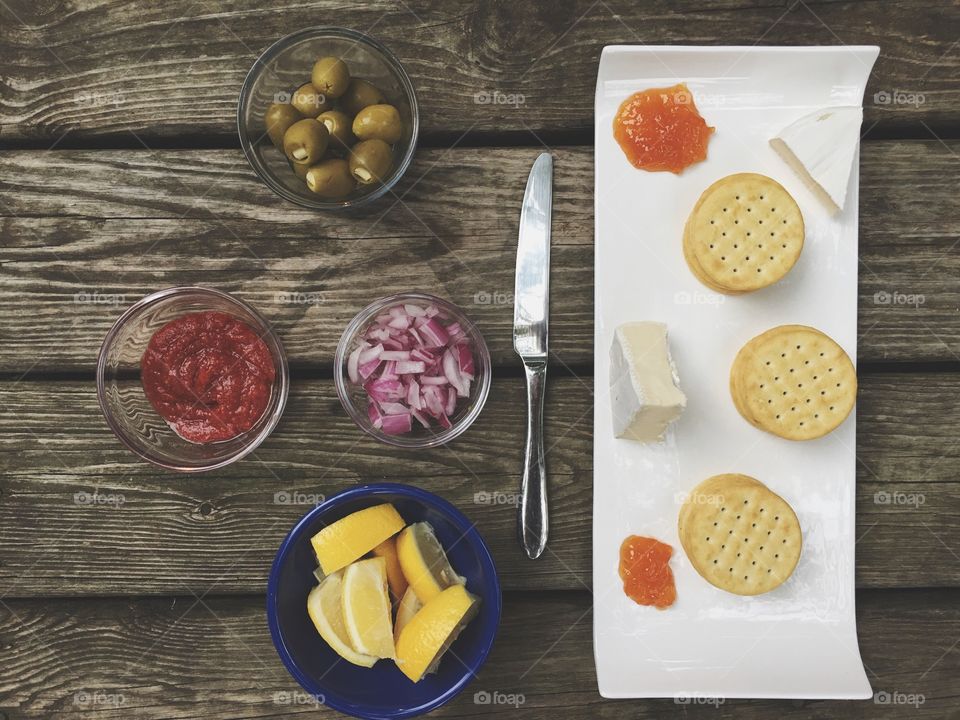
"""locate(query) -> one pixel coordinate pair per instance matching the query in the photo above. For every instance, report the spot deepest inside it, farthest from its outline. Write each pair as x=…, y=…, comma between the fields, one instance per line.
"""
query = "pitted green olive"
x=360, y=94
x=278, y=118
x=331, y=178
x=305, y=142
x=338, y=125
x=370, y=161
x=310, y=101
x=378, y=122
x=330, y=76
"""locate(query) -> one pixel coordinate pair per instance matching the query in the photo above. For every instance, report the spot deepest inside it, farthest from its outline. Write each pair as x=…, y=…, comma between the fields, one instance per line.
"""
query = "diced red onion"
x=413, y=362
x=421, y=354
x=421, y=418
x=389, y=370
x=406, y=367
x=353, y=364
x=395, y=355
x=413, y=395
x=367, y=369
x=434, y=335
x=397, y=424
x=383, y=390
x=452, y=372
x=376, y=418
x=394, y=408
x=370, y=354
x=465, y=361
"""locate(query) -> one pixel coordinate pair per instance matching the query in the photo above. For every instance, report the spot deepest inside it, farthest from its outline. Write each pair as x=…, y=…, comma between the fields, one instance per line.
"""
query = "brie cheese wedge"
x=644, y=393
x=821, y=149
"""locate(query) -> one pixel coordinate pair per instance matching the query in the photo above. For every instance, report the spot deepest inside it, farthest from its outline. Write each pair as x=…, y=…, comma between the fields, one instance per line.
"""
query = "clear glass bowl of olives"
x=328, y=118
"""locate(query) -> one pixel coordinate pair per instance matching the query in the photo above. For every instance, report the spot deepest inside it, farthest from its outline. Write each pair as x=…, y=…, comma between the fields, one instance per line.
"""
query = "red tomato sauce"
x=208, y=375
x=660, y=129
x=645, y=571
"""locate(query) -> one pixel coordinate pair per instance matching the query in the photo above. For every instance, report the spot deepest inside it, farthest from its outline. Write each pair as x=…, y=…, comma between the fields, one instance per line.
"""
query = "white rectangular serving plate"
x=800, y=640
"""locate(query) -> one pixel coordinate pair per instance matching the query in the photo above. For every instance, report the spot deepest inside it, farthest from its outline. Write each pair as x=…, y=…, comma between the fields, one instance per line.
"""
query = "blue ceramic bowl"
x=381, y=691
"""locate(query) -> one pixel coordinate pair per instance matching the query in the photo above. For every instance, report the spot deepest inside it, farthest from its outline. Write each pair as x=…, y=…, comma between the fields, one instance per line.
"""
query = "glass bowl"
x=285, y=66
x=381, y=691
x=354, y=397
x=125, y=405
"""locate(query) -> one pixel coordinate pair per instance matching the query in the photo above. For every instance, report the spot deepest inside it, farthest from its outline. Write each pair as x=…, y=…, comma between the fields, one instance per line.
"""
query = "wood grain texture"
x=179, y=658
x=131, y=222
x=79, y=515
x=94, y=68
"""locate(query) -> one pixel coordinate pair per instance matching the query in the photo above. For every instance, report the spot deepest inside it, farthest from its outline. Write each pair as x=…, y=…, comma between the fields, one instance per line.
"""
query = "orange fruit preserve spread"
x=645, y=570
x=660, y=129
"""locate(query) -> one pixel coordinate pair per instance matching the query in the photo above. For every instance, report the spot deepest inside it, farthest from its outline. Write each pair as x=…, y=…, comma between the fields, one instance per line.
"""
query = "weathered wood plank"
x=79, y=515
x=99, y=68
x=166, y=658
x=126, y=223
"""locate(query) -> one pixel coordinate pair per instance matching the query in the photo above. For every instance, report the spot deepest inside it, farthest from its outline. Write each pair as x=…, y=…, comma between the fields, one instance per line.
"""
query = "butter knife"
x=530, y=316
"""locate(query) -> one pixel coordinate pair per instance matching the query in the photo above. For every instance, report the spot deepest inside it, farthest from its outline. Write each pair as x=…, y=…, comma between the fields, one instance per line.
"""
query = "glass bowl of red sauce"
x=412, y=370
x=192, y=379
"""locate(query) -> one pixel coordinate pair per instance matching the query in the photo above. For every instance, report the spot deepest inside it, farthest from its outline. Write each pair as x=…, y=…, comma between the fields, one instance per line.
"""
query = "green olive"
x=381, y=122
x=330, y=76
x=370, y=161
x=310, y=101
x=338, y=125
x=359, y=95
x=331, y=178
x=305, y=142
x=278, y=118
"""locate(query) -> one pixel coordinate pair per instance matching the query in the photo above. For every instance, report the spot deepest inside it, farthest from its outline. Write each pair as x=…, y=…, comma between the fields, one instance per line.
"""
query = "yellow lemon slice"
x=424, y=562
x=324, y=608
x=409, y=606
x=366, y=608
x=431, y=631
x=352, y=537
x=395, y=579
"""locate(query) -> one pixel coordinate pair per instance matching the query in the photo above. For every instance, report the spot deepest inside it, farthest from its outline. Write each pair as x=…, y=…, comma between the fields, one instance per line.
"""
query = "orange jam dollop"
x=645, y=571
x=660, y=129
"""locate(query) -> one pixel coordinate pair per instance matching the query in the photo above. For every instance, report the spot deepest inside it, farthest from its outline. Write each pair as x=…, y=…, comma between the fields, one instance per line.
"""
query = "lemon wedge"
x=409, y=606
x=324, y=608
x=424, y=563
x=366, y=608
x=395, y=579
x=352, y=537
x=428, y=635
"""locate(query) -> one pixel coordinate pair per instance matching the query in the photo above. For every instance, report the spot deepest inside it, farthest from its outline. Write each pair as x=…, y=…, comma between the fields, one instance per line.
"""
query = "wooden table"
x=120, y=174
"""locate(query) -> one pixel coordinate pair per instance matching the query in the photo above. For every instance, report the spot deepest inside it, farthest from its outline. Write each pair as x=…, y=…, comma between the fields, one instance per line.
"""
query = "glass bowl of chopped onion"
x=412, y=370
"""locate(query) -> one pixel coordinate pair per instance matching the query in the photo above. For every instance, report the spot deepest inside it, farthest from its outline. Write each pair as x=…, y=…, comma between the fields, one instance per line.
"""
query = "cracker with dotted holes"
x=745, y=233
x=793, y=381
x=739, y=535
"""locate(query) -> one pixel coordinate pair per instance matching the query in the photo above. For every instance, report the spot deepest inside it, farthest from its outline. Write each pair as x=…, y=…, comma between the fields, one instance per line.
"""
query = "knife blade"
x=531, y=302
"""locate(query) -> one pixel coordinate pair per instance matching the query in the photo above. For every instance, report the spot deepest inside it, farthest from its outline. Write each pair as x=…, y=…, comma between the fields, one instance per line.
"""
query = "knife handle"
x=533, y=520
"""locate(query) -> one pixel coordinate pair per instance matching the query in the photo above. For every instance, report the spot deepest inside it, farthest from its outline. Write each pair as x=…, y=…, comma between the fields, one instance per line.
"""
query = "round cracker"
x=745, y=233
x=793, y=381
x=739, y=535
x=697, y=271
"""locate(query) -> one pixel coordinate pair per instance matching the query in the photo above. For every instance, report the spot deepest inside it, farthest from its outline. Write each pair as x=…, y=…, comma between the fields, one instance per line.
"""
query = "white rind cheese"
x=821, y=148
x=644, y=393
